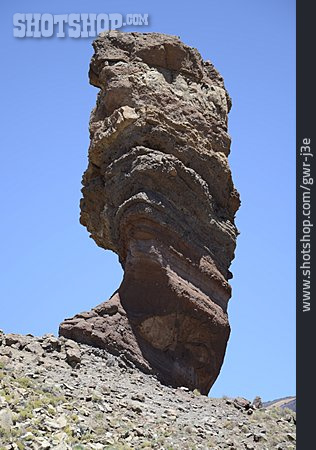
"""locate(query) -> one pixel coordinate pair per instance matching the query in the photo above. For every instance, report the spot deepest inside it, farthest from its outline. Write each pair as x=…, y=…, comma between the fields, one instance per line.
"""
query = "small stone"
x=108, y=438
x=44, y=444
x=31, y=375
x=249, y=446
x=62, y=446
x=138, y=432
x=241, y=403
x=4, y=360
x=134, y=407
x=173, y=172
x=6, y=351
x=59, y=423
x=3, y=403
x=257, y=403
x=73, y=353
x=291, y=436
x=258, y=437
x=51, y=343
x=35, y=347
x=6, y=421
x=28, y=436
x=138, y=397
x=210, y=420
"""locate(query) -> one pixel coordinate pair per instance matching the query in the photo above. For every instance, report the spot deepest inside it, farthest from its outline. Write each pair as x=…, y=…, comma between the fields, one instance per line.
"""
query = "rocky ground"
x=56, y=394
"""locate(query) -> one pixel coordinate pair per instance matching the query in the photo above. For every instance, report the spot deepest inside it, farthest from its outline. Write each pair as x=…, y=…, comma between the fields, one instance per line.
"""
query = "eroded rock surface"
x=158, y=191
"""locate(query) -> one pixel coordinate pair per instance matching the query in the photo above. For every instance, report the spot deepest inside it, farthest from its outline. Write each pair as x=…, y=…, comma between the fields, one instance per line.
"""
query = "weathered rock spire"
x=158, y=191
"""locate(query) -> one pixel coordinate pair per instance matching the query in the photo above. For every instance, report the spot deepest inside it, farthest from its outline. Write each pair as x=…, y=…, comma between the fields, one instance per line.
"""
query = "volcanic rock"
x=158, y=192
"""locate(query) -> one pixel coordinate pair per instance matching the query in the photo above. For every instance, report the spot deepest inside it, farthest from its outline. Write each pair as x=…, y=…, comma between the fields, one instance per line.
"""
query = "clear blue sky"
x=50, y=269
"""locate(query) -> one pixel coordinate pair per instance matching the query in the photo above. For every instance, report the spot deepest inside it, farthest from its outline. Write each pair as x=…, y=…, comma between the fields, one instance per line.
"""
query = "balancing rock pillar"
x=158, y=192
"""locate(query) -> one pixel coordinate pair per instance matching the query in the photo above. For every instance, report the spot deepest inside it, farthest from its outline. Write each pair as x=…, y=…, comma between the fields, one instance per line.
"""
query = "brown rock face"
x=158, y=191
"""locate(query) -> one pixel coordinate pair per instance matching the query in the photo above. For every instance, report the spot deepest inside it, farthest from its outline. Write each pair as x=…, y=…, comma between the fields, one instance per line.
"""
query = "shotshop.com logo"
x=72, y=25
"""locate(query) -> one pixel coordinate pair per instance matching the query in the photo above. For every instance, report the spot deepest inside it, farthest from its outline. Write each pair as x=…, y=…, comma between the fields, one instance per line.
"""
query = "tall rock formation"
x=158, y=192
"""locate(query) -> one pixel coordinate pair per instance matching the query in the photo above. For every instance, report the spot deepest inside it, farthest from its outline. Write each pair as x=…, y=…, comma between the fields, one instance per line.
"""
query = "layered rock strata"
x=158, y=192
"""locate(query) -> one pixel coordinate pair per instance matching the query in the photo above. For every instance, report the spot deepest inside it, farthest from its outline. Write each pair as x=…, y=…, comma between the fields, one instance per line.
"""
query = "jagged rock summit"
x=158, y=191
